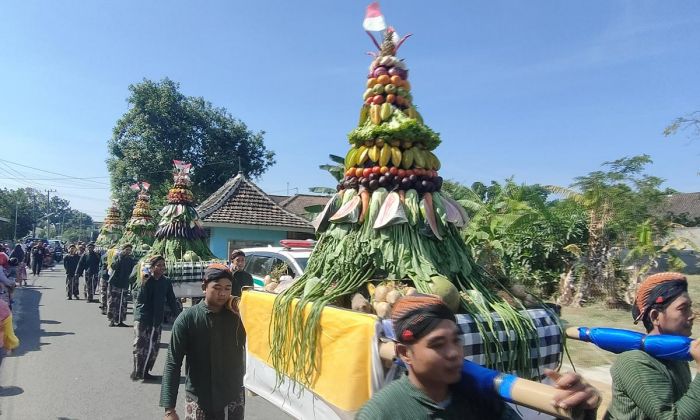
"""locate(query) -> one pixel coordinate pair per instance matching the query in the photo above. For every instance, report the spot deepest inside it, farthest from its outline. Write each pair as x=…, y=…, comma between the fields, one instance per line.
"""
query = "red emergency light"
x=292, y=243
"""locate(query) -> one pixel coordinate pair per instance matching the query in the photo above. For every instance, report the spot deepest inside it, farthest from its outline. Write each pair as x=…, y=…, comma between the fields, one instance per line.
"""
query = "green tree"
x=161, y=125
x=689, y=122
x=616, y=202
x=516, y=234
x=30, y=207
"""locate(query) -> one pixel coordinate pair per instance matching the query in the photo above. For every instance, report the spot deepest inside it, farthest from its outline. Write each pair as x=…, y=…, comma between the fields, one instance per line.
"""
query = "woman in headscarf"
x=18, y=252
x=155, y=290
x=649, y=388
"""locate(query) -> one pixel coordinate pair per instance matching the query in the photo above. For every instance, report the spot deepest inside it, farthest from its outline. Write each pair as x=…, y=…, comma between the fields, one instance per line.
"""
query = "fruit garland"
x=390, y=224
x=180, y=231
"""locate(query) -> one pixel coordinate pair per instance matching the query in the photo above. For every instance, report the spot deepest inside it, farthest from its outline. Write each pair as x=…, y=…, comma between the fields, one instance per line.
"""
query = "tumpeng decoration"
x=389, y=228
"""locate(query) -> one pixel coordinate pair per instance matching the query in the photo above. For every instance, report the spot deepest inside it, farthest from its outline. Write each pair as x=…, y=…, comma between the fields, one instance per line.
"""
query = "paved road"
x=71, y=366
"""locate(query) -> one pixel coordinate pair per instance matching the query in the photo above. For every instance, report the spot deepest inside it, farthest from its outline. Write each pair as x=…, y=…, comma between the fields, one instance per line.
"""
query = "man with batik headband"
x=154, y=291
x=210, y=334
x=122, y=266
x=649, y=388
x=429, y=343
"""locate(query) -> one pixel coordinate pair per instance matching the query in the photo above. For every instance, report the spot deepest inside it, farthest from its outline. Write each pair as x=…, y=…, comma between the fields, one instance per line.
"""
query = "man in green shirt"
x=429, y=343
x=122, y=266
x=647, y=388
x=210, y=334
x=241, y=278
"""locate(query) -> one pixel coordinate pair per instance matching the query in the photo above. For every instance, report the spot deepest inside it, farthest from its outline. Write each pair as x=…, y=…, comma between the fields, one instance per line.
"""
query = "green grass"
x=597, y=315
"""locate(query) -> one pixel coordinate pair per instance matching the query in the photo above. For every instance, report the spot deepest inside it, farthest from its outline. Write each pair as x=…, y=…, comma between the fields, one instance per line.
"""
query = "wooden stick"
x=531, y=394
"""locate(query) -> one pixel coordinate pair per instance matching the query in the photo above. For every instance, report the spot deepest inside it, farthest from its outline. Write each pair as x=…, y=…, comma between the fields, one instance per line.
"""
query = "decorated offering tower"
x=112, y=228
x=390, y=231
x=180, y=235
x=140, y=229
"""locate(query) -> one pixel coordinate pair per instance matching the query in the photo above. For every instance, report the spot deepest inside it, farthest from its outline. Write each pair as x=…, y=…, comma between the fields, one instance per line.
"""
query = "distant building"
x=682, y=208
x=241, y=215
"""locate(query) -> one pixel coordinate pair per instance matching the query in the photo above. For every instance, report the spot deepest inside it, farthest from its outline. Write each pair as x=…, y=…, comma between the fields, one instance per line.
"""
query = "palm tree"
x=337, y=171
x=599, y=211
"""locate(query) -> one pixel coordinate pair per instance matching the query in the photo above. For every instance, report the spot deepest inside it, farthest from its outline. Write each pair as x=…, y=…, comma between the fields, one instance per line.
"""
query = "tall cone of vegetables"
x=140, y=229
x=389, y=221
x=112, y=228
x=180, y=235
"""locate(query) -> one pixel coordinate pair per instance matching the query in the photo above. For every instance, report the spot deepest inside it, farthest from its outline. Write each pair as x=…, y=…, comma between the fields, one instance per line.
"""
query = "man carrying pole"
x=648, y=388
x=429, y=344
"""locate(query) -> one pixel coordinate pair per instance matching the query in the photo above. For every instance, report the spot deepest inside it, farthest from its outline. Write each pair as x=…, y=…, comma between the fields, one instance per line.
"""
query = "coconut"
x=360, y=304
x=380, y=293
x=443, y=287
x=383, y=309
x=393, y=296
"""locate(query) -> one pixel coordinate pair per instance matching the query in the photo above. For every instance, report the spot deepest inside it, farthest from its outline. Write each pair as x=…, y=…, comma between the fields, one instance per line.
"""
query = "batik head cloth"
x=417, y=315
x=216, y=271
x=659, y=288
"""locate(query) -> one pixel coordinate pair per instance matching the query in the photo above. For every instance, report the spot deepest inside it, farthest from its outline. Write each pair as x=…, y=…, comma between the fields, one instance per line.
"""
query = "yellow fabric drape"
x=346, y=340
x=10, y=341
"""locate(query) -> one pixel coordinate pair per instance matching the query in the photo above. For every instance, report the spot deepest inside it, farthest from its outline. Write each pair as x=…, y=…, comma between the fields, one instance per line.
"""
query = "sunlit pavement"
x=70, y=365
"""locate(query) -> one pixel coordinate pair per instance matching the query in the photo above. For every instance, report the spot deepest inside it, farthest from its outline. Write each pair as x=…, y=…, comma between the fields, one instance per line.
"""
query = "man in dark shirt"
x=70, y=263
x=90, y=265
x=429, y=343
x=122, y=266
x=240, y=277
x=210, y=334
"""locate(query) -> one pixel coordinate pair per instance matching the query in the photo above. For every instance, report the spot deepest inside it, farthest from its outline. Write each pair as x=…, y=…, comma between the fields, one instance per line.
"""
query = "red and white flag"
x=182, y=166
x=374, y=20
x=145, y=185
x=135, y=187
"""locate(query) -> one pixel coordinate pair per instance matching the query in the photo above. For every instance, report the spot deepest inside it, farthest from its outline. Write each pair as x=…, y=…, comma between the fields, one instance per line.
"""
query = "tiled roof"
x=278, y=198
x=241, y=202
x=297, y=203
x=683, y=204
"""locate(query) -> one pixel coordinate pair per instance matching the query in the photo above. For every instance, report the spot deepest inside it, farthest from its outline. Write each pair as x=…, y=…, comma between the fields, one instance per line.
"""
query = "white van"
x=294, y=254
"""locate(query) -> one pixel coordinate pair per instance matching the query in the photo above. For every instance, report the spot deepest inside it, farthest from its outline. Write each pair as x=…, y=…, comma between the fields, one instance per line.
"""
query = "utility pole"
x=80, y=227
x=14, y=237
x=34, y=216
x=48, y=211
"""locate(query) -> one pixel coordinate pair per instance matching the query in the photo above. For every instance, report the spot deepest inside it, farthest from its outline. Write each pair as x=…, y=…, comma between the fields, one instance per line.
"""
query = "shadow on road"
x=10, y=391
x=28, y=321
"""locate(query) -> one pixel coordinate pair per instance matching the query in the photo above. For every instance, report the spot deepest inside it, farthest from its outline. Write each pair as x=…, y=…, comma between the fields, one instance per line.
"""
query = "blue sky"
x=543, y=91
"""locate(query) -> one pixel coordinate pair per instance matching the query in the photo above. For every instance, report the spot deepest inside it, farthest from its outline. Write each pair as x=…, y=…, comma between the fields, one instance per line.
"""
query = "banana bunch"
x=420, y=159
x=382, y=154
x=378, y=113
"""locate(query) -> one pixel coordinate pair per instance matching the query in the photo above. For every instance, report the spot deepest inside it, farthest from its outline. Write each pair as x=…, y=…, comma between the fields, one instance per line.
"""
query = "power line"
x=49, y=172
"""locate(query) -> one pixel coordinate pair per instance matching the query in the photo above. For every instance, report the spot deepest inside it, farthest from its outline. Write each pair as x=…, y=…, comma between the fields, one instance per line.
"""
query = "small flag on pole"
x=135, y=187
x=374, y=20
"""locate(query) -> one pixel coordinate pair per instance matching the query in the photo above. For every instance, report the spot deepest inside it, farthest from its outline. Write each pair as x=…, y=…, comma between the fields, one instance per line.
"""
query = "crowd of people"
x=210, y=336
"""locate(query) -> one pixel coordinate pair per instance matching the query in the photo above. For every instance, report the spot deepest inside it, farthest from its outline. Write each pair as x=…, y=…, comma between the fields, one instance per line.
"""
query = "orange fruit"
x=384, y=79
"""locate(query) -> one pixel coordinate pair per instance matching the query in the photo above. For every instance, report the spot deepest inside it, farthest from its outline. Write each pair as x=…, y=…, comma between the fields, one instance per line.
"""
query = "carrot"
x=364, y=195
